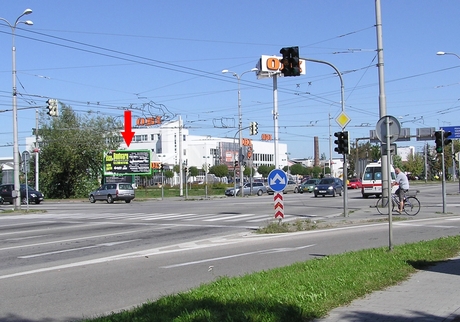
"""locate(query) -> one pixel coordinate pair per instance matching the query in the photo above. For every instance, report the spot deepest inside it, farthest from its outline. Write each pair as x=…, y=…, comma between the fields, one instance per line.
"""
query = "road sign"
x=25, y=160
x=277, y=180
x=394, y=129
x=455, y=130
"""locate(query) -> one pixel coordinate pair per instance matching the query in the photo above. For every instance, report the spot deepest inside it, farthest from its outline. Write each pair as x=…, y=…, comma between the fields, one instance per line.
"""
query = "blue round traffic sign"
x=277, y=180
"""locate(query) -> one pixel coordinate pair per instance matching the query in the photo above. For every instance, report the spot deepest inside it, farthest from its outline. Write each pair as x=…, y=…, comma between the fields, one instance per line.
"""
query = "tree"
x=264, y=170
x=220, y=170
x=415, y=165
x=193, y=171
x=298, y=169
x=71, y=157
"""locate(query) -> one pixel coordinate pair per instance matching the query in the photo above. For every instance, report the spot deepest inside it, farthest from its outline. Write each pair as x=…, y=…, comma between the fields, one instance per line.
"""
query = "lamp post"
x=441, y=53
x=17, y=201
x=240, y=123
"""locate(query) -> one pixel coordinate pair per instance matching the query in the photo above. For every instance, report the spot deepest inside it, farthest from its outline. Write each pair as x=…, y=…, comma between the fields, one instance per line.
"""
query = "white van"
x=372, y=179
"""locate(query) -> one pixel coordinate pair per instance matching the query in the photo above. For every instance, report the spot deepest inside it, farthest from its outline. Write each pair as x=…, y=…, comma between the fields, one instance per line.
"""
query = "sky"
x=166, y=58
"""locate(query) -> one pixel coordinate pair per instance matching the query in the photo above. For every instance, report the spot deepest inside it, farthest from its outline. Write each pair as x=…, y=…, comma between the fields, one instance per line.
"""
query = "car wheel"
x=296, y=190
x=260, y=192
x=109, y=199
x=37, y=202
x=340, y=193
x=365, y=196
x=333, y=193
x=316, y=195
x=128, y=201
x=91, y=199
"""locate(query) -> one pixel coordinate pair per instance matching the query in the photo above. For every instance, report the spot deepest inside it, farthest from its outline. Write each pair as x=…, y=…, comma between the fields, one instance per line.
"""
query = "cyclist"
x=403, y=182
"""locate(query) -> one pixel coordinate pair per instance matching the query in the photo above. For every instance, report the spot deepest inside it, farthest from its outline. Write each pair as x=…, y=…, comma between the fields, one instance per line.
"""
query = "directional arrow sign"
x=277, y=180
x=279, y=205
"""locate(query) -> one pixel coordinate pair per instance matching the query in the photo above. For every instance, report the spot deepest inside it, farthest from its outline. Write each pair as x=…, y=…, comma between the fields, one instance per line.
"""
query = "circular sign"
x=277, y=180
x=388, y=126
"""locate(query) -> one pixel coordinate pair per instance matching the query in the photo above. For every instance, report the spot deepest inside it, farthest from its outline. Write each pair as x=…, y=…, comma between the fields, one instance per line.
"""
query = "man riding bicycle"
x=403, y=182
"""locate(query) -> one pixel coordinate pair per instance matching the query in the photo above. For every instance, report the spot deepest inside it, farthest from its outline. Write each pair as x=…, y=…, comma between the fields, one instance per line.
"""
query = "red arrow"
x=277, y=195
x=279, y=214
x=128, y=134
x=279, y=205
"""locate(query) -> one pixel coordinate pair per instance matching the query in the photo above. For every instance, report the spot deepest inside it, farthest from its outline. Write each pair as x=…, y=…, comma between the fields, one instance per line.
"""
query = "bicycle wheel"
x=382, y=206
x=411, y=206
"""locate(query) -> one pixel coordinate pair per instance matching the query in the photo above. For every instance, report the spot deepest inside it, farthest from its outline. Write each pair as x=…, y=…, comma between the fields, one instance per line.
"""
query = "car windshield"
x=311, y=182
x=23, y=186
x=327, y=181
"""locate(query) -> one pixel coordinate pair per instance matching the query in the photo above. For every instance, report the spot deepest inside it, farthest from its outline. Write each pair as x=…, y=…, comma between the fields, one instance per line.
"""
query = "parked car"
x=258, y=188
x=291, y=186
x=111, y=192
x=354, y=183
x=329, y=186
x=6, y=192
x=308, y=185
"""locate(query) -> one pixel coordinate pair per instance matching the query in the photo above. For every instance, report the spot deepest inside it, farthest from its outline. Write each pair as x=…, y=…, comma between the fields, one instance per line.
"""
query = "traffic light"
x=343, y=142
x=185, y=169
x=446, y=141
x=162, y=167
x=290, y=61
x=52, y=107
x=236, y=164
x=253, y=128
x=438, y=141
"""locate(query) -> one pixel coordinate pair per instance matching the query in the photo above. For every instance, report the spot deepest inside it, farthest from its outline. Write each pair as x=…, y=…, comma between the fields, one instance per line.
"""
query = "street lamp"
x=441, y=53
x=240, y=123
x=16, y=192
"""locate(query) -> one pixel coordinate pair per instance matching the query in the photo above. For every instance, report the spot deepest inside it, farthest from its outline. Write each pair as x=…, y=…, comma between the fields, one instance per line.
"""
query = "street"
x=78, y=259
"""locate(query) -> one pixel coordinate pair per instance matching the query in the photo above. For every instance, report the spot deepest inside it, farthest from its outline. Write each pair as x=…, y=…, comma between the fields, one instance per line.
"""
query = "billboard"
x=127, y=162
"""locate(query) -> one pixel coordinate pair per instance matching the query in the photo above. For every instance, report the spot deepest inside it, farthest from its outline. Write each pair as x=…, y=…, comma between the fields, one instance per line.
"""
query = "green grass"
x=299, y=292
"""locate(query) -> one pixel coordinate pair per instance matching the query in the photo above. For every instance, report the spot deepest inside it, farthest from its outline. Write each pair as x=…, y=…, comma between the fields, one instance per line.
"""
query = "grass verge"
x=298, y=292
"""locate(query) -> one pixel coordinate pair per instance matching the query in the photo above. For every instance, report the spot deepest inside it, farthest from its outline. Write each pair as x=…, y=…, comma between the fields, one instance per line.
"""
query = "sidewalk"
x=428, y=295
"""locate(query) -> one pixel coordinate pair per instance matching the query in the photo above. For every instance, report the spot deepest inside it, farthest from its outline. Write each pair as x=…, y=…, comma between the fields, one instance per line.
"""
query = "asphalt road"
x=79, y=259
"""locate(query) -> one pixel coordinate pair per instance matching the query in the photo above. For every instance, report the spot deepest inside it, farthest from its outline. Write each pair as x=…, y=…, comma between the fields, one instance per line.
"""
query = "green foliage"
x=247, y=172
x=193, y=171
x=264, y=170
x=72, y=152
x=298, y=169
x=220, y=170
x=169, y=174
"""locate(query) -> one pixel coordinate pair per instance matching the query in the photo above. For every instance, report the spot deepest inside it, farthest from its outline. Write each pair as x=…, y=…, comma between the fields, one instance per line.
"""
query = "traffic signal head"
x=52, y=106
x=343, y=142
x=162, y=167
x=290, y=61
x=236, y=164
x=438, y=141
x=253, y=128
x=446, y=134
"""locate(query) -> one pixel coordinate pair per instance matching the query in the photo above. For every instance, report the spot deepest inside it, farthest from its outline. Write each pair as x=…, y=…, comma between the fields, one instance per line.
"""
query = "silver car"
x=258, y=188
x=111, y=192
x=290, y=187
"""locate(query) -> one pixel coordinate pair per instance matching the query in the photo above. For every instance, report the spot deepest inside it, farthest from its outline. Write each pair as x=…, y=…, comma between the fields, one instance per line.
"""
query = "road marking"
x=79, y=248
x=75, y=239
x=265, y=251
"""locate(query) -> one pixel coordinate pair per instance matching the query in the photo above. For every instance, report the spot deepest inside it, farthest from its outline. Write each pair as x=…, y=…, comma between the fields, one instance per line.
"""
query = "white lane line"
x=74, y=239
x=265, y=251
x=79, y=248
x=23, y=238
x=232, y=216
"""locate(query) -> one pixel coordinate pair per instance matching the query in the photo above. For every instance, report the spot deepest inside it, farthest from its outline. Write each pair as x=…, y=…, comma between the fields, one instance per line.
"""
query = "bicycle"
x=411, y=204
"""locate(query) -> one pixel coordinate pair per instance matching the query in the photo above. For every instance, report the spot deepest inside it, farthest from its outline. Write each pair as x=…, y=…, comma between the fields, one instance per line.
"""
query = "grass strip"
x=298, y=292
